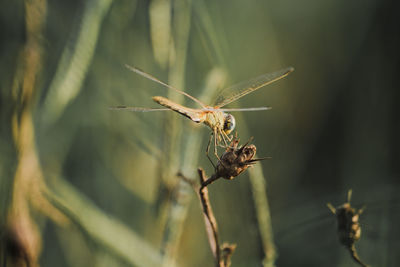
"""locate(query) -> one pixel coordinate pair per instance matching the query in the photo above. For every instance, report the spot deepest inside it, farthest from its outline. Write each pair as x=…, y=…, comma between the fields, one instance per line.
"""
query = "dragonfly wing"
x=237, y=91
x=195, y=115
x=244, y=109
x=154, y=79
x=138, y=109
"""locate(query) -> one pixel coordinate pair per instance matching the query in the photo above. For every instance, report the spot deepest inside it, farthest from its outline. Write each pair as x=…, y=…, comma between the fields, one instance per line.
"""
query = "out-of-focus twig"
x=259, y=187
x=75, y=61
x=209, y=35
x=176, y=209
x=102, y=228
x=261, y=205
x=22, y=236
x=160, y=26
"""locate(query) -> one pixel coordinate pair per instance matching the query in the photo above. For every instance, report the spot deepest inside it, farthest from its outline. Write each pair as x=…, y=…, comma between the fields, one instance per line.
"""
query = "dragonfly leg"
x=230, y=137
x=227, y=137
x=208, y=149
x=218, y=138
x=223, y=136
x=216, y=144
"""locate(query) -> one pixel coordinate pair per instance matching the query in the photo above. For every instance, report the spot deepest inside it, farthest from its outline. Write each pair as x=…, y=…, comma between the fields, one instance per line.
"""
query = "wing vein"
x=239, y=90
x=154, y=79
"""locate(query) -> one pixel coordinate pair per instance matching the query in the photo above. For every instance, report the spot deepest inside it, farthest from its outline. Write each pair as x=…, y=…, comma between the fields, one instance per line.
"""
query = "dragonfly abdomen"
x=190, y=113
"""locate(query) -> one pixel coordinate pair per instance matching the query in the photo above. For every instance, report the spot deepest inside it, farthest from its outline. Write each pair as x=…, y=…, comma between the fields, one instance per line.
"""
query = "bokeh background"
x=85, y=186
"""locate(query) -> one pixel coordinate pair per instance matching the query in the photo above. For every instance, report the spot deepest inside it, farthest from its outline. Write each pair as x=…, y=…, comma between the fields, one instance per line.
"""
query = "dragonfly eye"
x=229, y=123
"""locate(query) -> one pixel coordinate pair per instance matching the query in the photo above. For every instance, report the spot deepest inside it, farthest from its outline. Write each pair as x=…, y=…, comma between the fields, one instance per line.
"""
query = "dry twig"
x=21, y=236
x=222, y=254
x=233, y=162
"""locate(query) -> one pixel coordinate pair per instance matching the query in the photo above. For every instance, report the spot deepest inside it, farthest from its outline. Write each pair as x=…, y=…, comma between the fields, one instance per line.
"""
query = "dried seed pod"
x=349, y=230
x=227, y=251
x=235, y=160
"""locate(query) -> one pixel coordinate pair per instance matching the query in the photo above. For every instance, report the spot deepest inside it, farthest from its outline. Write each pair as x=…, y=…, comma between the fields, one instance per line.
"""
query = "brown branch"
x=222, y=254
x=210, y=221
x=235, y=160
x=208, y=181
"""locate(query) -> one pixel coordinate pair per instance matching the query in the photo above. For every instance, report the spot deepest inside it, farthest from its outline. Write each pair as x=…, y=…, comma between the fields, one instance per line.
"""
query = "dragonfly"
x=216, y=116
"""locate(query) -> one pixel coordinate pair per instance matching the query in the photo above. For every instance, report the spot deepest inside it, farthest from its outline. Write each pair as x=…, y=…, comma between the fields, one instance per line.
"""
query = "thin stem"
x=73, y=66
x=259, y=190
x=178, y=208
x=222, y=254
x=209, y=181
x=100, y=227
x=211, y=222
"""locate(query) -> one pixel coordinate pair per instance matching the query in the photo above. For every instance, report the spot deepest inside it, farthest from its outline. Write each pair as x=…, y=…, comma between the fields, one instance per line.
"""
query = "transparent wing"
x=241, y=109
x=237, y=91
x=154, y=79
x=137, y=109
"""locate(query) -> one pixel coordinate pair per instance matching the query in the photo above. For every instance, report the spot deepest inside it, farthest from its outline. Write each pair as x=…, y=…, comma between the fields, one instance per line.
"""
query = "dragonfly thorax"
x=220, y=121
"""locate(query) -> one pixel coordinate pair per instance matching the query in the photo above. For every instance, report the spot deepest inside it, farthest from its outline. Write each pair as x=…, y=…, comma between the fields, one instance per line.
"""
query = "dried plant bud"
x=349, y=230
x=348, y=225
x=235, y=160
x=227, y=251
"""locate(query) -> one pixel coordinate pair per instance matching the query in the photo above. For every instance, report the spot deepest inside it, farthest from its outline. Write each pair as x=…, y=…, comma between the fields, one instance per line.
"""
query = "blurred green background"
x=334, y=126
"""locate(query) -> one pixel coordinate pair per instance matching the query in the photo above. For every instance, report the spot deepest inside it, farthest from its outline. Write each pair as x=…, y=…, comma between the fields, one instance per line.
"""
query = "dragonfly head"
x=229, y=123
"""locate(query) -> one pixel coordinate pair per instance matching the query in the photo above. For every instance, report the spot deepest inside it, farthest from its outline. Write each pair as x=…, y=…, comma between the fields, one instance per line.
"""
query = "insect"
x=349, y=229
x=215, y=117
